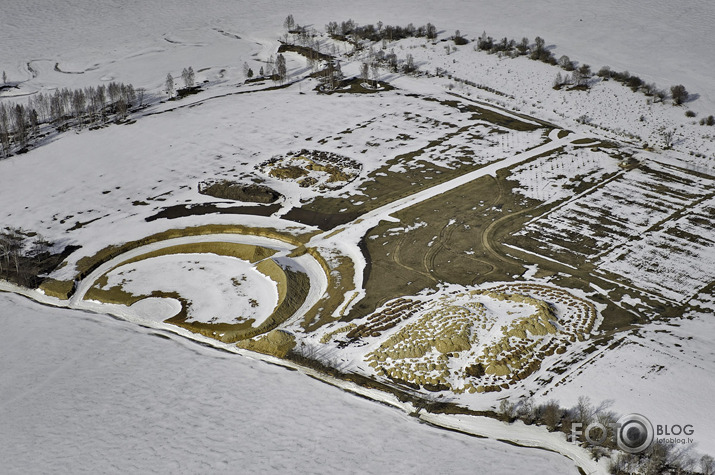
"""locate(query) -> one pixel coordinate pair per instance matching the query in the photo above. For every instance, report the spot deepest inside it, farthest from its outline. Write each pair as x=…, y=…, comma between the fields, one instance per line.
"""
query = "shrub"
x=604, y=72
x=550, y=415
x=634, y=82
x=566, y=63
x=649, y=88
x=690, y=114
x=485, y=42
x=507, y=410
x=621, y=77
x=459, y=39
x=679, y=94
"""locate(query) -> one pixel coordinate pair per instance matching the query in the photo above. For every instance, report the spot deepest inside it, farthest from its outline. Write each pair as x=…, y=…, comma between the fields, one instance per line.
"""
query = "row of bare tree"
x=20, y=124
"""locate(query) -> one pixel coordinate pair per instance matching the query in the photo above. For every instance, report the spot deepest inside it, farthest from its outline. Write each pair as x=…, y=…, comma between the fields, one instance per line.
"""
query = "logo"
x=634, y=433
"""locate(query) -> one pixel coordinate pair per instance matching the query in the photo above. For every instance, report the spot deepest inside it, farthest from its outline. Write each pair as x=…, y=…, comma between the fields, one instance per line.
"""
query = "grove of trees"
x=379, y=32
x=20, y=124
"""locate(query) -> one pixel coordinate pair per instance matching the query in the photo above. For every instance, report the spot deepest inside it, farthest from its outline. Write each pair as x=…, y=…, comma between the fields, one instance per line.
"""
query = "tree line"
x=20, y=124
x=579, y=76
x=350, y=29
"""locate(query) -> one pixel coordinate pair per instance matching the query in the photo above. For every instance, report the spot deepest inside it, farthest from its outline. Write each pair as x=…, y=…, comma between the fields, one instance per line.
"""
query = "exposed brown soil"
x=228, y=190
x=180, y=211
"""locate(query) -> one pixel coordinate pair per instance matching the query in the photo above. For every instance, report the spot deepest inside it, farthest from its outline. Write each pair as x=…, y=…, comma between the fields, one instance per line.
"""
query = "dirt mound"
x=315, y=169
x=229, y=190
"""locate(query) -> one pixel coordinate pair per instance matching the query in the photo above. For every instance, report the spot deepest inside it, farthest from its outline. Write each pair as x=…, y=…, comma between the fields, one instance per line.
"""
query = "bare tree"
x=667, y=136
x=526, y=411
x=365, y=72
x=34, y=123
x=604, y=72
x=584, y=74
x=523, y=47
x=170, y=85
x=140, y=95
x=114, y=91
x=577, y=79
x=410, y=64
x=584, y=411
x=566, y=63
x=289, y=23
x=552, y=415
x=102, y=96
x=188, y=77
x=4, y=131
x=507, y=410
x=79, y=102
x=559, y=81
x=540, y=44
x=659, y=95
x=122, y=108
x=281, y=68
x=375, y=70
x=20, y=125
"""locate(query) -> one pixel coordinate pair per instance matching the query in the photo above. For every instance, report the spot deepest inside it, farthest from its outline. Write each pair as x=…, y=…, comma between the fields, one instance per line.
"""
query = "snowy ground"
x=109, y=186
x=663, y=371
x=655, y=40
x=238, y=292
x=85, y=393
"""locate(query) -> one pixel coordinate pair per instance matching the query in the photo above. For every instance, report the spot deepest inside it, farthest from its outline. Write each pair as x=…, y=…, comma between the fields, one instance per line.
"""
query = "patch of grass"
x=61, y=289
x=439, y=252
x=114, y=295
x=304, y=51
x=276, y=343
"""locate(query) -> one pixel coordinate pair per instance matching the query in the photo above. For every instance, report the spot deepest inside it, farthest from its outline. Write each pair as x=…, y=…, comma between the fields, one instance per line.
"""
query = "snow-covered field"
x=83, y=390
